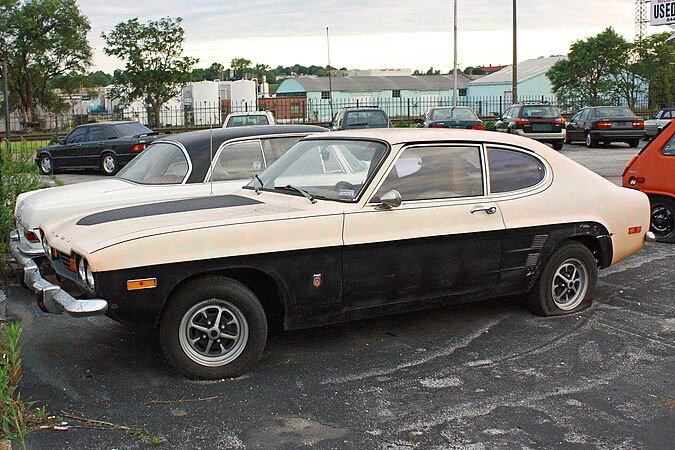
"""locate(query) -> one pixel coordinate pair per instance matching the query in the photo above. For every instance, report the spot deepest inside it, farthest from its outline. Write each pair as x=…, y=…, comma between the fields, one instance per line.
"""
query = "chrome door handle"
x=487, y=209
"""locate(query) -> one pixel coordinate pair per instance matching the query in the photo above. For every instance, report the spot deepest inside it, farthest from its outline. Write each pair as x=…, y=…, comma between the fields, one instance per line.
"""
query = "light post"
x=5, y=97
x=454, y=70
x=514, y=71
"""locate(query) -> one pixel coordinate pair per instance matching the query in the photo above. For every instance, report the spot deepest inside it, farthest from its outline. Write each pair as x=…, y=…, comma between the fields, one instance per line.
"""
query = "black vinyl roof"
x=198, y=143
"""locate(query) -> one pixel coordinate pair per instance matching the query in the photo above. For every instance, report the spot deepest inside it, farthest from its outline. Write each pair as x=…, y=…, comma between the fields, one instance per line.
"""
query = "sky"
x=366, y=34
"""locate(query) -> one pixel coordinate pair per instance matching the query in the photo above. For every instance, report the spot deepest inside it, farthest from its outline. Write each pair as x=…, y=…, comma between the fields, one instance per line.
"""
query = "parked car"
x=353, y=118
x=243, y=119
x=652, y=171
x=659, y=120
x=107, y=146
x=605, y=124
x=539, y=121
x=175, y=166
x=451, y=117
x=346, y=225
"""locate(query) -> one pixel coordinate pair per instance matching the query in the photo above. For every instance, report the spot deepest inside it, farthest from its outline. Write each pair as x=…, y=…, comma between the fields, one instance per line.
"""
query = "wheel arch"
x=593, y=235
x=266, y=288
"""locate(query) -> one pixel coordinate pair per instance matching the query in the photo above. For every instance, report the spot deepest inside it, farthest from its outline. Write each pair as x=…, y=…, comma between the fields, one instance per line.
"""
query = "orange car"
x=652, y=171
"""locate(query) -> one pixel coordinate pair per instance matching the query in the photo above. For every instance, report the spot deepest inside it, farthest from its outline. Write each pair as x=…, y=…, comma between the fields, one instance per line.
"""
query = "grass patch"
x=18, y=416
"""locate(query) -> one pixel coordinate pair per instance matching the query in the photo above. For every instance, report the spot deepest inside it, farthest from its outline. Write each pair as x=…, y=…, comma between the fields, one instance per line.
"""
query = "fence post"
x=500, y=105
x=408, y=112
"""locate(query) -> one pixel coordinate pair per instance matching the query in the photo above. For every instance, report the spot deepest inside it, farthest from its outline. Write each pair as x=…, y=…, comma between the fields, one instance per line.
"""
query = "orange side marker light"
x=634, y=230
x=147, y=283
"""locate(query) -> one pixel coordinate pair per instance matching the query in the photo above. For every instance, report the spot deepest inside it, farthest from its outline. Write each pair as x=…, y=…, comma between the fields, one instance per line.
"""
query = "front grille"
x=64, y=259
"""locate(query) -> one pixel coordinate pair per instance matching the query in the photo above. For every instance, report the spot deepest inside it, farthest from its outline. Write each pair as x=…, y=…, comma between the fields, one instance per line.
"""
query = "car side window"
x=95, y=133
x=77, y=135
x=669, y=148
x=667, y=115
x=576, y=117
x=507, y=114
x=238, y=161
x=275, y=147
x=512, y=170
x=435, y=172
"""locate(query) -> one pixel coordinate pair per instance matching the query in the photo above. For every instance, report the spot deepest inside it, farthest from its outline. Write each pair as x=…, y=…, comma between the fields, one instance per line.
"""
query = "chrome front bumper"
x=52, y=298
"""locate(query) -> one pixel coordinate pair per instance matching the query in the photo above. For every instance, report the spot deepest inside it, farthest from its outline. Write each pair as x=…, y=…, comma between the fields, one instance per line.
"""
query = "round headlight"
x=90, y=278
x=82, y=270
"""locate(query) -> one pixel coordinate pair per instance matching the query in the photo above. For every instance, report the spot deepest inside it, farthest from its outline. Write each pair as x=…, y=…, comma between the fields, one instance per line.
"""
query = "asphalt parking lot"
x=477, y=376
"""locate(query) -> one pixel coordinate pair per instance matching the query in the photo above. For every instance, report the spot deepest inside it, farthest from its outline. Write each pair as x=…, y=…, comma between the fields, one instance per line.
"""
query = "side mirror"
x=327, y=125
x=391, y=199
x=62, y=142
x=653, y=117
x=419, y=121
x=497, y=116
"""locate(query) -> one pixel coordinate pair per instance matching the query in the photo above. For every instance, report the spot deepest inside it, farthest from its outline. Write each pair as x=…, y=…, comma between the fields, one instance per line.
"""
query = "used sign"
x=662, y=12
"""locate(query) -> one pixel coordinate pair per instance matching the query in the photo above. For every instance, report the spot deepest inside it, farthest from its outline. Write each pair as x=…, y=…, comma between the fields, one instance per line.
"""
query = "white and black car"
x=176, y=166
x=344, y=226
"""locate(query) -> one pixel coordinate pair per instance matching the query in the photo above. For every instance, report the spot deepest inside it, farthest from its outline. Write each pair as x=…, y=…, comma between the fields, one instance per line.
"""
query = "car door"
x=444, y=238
x=573, y=133
x=69, y=153
x=88, y=153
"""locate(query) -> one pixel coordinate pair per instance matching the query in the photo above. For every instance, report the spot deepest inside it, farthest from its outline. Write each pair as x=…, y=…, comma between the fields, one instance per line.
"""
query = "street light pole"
x=5, y=96
x=514, y=71
x=454, y=70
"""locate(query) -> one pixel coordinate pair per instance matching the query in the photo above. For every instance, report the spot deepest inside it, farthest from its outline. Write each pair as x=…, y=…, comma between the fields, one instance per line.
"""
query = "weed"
x=142, y=434
x=17, y=415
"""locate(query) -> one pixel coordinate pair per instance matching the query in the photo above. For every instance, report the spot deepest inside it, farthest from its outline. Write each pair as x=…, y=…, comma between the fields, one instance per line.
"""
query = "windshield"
x=540, y=112
x=161, y=163
x=243, y=121
x=452, y=113
x=326, y=169
x=372, y=119
x=130, y=129
x=617, y=111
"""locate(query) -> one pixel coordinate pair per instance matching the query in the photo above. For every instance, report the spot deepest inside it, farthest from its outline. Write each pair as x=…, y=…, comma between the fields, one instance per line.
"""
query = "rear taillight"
x=436, y=126
x=638, y=124
x=560, y=121
x=520, y=121
x=478, y=127
x=138, y=147
x=604, y=124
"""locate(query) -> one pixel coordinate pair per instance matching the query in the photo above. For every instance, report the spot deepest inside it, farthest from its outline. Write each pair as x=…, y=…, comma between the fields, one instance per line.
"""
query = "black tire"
x=551, y=295
x=46, y=164
x=633, y=142
x=204, y=300
x=662, y=218
x=557, y=146
x=109, y=164
x=568, y=140
x=591, y=142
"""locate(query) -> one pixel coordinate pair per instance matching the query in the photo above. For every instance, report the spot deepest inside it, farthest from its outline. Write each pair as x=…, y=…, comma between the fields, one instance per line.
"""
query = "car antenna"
x=211, y=155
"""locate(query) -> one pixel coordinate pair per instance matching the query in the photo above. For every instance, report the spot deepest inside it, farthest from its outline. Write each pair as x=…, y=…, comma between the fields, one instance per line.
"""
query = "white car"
x=659, y=120
x=176, y=166
x=346, y=225
x=244, y=119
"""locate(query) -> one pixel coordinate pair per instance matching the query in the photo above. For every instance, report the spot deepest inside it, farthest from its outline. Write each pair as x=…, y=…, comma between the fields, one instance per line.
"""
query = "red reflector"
x=72, y=264
x=478, y=127
x=639, y=124
x=520, y=121
x=31, y=236
x=604, y=124
x=437, y=126
x=634, y=230
x=138, y=147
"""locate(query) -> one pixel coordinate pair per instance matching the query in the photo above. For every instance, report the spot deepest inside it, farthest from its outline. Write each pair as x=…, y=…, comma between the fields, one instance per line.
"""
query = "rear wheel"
x=212, y=328
x=633, y=142
x=109, y=164
x=663, y=218
x=557, y=146
x=46, y=164
x=591, y=142
x=566, y=283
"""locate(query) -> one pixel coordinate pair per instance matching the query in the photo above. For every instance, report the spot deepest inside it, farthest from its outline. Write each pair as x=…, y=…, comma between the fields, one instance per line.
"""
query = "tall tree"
x=656, y=61
x=41, y=40
x=155, y=69
x=239, y=67
x=590, y=71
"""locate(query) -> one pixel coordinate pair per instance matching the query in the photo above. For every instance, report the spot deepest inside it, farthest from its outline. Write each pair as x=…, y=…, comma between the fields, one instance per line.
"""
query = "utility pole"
x=5, y=96
x=330, y=77
x=454, y=70
x=514, y=71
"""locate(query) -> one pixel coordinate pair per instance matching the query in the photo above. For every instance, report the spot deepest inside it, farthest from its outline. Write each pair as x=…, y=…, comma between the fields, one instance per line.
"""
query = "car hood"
x=97, y=230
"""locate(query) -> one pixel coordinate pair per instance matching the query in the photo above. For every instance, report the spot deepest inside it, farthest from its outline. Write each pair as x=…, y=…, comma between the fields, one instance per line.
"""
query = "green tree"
x=41, y=40
x=155, y=69
x=239, y=67
x=99, y=78
x=589, y=74
x=656, y=61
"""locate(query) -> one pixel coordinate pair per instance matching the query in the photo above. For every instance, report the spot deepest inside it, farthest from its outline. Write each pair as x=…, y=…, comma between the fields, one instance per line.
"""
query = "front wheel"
x=46, y=164
x=557, y=146
x=109, y=164
x=663, y=218
x=566, y=283
x=213, y=328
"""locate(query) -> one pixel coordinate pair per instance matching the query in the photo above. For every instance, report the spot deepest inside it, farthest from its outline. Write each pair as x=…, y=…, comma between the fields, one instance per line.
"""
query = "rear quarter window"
x=511, y=170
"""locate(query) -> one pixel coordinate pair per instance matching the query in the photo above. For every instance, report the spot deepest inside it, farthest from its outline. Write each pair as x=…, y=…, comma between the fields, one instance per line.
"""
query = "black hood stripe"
x=158, y=209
